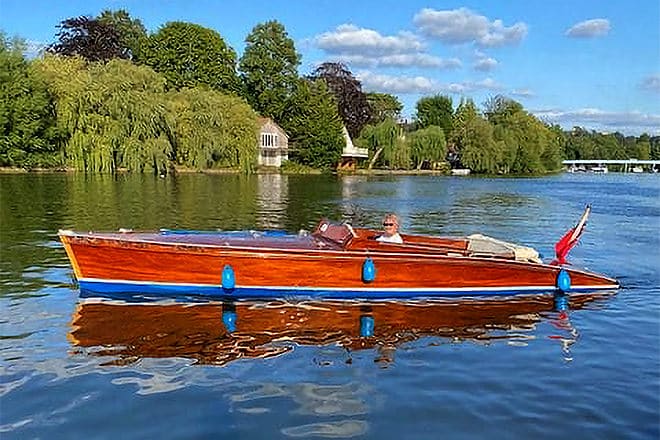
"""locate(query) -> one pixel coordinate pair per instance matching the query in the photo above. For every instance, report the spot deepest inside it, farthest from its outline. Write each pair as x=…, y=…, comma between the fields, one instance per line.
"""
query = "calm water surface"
x=75, y=367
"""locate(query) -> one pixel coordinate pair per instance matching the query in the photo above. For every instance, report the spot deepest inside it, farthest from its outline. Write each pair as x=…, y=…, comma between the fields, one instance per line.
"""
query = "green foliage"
x=435, y=110
x=655, y=147
x=132, y=32
x=551, y=156
x=90, y=38
x=427, y=145
x=269, y=69
x=189, y=55
x=28, y=137
x=290, y=167
x=473, y=138
x=386, y=143
x=314, y=126
x=383, y=106
x=527, y=145
x=211, y=129
x=352, y=102
x=113, y=114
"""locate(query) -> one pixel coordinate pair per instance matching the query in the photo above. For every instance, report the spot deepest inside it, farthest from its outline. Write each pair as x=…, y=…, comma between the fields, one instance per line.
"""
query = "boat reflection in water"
x=219, y=332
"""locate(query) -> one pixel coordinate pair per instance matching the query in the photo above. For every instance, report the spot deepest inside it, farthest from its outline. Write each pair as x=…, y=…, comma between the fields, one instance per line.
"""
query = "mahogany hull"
x=114, y=263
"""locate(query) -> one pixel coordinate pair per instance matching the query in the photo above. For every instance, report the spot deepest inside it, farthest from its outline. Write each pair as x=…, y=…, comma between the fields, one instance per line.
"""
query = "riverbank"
x=6, y=170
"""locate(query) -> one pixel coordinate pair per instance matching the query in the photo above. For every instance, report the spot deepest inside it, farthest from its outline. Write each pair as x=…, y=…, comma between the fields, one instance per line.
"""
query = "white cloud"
x=464, y=26
x=401, y=60
x=349, y=39
x=486, y=84
x=596, y=27
x=651, y=83
x=522, y=93
x=419, y=84
x=368, y=48
x=396, y=84
x=484, y=63
x=632, y=122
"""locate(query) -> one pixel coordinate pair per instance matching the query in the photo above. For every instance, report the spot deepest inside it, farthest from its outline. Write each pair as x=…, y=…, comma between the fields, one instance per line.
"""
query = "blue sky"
x=590, y=63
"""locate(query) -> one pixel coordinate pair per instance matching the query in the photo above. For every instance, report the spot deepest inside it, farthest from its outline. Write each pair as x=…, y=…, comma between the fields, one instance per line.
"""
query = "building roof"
x=351, y=150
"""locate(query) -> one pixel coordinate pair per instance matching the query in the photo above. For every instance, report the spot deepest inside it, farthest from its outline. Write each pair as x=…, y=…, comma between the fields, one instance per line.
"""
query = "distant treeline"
x=107, y=96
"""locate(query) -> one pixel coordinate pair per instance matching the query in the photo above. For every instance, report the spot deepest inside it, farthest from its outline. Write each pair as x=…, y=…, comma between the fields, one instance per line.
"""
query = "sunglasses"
x=388, y=224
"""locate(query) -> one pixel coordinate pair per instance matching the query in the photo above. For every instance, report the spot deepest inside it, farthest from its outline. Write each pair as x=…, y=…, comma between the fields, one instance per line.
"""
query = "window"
x=270, y=140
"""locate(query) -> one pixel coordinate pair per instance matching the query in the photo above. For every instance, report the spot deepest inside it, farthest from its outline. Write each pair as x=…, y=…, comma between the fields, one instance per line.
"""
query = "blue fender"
x=366, y=326
x=563, y=281
x=228, y=278
x=368, y=270
x=229, y=320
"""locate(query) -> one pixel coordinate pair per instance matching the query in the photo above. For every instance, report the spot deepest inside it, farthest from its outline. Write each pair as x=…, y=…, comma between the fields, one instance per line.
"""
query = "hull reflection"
x=218, y=333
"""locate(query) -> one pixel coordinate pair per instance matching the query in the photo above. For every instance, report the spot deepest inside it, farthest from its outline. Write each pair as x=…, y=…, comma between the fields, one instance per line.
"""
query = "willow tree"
x=113, y=114
x=210, y=129
x=480, y=152
x=427, y=145
x=386, y=139
x=473, y=139
x=526, y=140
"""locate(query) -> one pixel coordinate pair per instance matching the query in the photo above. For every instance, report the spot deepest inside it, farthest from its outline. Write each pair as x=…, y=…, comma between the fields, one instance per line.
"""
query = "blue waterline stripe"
x=106, y=286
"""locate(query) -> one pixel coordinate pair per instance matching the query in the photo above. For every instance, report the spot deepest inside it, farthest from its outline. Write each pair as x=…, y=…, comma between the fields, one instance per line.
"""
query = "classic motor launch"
x=334, y=261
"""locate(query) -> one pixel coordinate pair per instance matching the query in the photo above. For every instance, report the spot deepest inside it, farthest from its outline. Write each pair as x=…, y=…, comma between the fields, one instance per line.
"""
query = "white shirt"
x=396, y=238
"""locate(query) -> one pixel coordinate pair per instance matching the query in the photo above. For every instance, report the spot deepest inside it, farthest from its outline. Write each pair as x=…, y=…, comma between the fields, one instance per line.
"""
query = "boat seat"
x=339, y=234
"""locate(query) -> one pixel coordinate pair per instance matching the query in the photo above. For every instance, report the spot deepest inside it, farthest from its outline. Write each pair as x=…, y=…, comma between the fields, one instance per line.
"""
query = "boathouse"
x=273, y=144
x=350, y=154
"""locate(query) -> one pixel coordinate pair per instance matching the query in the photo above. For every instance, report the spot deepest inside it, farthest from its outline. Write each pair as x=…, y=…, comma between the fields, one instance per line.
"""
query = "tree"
x=113, y=114
x=644, y=147
x=353, y=106
x=498, y=108
x=655, y=147
x=210, y=129
x=474, y=140
x=383, y=106
x=435, y=110
x=427, y=145
x=90, y=38
x=528, y=145
x=28, y=136
x=269, y=69
x=132, y=32
x=386, y=139
x=314, y=126
x=189, y=55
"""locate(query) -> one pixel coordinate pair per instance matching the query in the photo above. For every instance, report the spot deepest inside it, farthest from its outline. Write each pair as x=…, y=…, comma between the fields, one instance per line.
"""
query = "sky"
x=588, y=63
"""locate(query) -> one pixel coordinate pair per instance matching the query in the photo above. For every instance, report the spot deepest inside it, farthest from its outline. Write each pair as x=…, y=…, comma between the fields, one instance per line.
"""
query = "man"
x=391, y=228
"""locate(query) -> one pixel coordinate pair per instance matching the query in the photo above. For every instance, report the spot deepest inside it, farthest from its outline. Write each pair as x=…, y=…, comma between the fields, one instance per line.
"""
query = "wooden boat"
x=217, y=333
x=334, y=261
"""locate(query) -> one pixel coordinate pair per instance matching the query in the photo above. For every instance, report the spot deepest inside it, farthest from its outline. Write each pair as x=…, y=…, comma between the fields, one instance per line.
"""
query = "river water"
x=79, y=367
